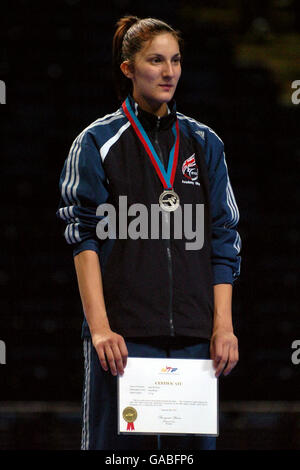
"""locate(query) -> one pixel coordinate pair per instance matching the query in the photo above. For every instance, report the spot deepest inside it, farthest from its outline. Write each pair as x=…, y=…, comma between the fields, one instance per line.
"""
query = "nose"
x=168, y=70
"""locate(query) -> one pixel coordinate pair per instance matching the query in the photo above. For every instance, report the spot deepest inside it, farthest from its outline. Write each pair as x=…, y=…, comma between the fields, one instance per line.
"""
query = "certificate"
x=168, y=396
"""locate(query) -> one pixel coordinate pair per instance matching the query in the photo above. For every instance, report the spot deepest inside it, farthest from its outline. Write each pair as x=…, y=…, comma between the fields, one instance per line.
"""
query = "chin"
x=165, y=97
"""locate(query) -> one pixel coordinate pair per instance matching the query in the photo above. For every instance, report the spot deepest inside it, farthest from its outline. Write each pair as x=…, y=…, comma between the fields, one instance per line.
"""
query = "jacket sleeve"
x=226, y=241
x=83, y=187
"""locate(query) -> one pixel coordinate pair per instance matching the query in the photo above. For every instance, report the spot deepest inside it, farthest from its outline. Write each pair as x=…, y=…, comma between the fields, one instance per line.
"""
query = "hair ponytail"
x=128, y=39
x=123, y=84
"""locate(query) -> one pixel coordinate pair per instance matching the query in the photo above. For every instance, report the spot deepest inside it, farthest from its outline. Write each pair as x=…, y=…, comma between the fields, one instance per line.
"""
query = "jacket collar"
x=151, y=121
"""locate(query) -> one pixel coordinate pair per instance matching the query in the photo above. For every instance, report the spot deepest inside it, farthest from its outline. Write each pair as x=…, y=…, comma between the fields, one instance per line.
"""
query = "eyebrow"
x=160, y=55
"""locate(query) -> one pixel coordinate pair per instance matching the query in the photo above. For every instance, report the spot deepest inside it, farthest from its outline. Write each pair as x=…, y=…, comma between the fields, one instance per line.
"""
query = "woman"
x=148, y=296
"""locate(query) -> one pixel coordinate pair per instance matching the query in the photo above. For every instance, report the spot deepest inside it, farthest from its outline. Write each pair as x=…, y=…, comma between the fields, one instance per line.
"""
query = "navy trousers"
x=99, y=404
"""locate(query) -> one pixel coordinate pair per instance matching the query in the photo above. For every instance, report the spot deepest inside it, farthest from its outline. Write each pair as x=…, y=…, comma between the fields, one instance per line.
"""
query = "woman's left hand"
x=224, y=351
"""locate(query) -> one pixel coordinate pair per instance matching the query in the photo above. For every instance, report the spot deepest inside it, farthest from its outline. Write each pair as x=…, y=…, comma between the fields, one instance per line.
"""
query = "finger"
x=232, y=360
x=118, y=358
x=216, y=352
x=123, y=351
x=102, y=359
x=223, y=360
x=111, y=360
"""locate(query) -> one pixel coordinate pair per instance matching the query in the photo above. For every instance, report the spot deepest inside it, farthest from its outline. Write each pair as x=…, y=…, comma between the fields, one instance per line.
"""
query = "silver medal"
x=169, y=200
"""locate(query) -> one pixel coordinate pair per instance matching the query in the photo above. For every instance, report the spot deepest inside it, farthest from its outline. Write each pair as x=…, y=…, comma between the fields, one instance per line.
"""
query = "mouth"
x=166, y=86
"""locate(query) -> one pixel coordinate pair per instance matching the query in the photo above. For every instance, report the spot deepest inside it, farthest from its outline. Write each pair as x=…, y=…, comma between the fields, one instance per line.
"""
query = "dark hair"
x=130, y=35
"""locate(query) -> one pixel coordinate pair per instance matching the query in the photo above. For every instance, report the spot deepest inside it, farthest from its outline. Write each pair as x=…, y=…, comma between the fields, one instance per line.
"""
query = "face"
x=155, y=73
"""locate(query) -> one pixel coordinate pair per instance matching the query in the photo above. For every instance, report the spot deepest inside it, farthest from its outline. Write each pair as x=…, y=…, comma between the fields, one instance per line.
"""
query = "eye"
x=156, y=60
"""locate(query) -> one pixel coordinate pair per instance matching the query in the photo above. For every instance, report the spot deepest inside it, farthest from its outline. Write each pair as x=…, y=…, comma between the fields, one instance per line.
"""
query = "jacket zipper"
x=169, y=255
x=168, y=243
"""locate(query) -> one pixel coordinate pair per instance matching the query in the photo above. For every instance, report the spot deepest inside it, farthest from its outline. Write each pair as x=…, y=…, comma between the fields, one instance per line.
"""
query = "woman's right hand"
x=112, y=350
x=111, y=347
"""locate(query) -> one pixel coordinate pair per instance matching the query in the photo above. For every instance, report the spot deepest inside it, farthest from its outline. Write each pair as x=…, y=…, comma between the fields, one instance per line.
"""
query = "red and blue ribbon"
x=166, y=177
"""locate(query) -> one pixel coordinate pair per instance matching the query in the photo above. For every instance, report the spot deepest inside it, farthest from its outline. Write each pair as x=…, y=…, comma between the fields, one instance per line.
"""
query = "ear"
x=126, y=68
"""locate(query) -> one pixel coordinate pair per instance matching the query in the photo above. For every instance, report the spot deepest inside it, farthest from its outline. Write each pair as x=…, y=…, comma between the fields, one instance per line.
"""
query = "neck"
x=158, y=109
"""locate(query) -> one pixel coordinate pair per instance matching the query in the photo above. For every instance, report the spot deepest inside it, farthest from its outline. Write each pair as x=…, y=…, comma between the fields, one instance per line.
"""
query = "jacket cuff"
x=90, y=244
x=222, y=274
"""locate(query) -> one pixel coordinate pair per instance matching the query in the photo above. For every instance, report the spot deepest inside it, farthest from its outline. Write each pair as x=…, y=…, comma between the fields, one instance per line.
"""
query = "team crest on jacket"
x=190, y=171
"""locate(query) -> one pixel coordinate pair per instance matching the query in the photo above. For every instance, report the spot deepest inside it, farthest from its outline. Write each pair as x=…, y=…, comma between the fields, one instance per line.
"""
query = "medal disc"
x=169, y=200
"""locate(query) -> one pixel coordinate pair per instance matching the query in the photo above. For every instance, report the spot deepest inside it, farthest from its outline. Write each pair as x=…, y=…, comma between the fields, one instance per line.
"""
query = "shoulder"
x=101, y=130
x=201, y=132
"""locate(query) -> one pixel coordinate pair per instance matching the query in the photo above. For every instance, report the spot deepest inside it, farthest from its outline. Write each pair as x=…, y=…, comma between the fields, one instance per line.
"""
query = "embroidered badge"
x=190, y=170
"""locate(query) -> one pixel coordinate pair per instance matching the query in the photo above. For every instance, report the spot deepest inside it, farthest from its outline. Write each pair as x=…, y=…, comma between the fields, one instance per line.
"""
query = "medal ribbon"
x=130, y=427
x=167, y=178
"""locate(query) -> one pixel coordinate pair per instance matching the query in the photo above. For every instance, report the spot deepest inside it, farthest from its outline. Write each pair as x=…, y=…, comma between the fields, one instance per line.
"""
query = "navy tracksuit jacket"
x=152, y=287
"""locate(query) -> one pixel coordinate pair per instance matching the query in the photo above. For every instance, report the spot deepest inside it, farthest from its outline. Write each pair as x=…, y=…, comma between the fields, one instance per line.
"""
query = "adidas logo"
x=201, y=133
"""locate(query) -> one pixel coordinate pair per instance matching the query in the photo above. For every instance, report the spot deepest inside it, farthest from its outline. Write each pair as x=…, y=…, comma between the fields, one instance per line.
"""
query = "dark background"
x=240, y=60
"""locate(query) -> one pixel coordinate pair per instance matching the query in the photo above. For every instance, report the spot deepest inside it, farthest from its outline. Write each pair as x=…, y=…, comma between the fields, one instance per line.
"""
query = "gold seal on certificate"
x=130, y=415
